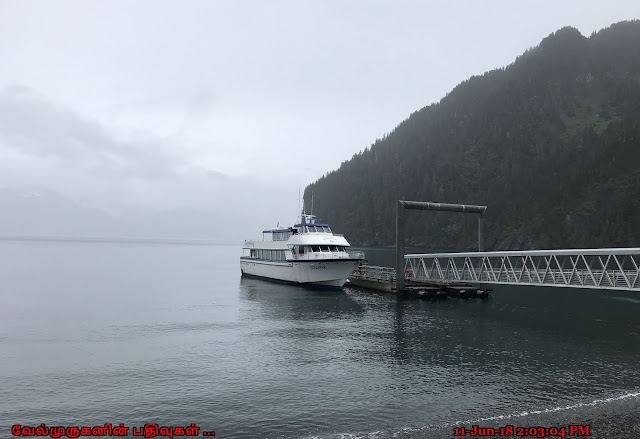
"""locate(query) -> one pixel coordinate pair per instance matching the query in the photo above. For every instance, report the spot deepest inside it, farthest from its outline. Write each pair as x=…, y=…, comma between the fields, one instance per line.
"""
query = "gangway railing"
x=372, y=272
x=613, y=268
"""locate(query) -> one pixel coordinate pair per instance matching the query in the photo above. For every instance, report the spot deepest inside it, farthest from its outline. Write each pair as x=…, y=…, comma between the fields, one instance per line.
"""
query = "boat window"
x=281, y=236
x=326, y=248
x=301, y=250
x=327, y=229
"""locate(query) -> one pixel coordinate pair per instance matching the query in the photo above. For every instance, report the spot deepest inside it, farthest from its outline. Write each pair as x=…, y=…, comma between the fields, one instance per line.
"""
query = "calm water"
x=138, y=333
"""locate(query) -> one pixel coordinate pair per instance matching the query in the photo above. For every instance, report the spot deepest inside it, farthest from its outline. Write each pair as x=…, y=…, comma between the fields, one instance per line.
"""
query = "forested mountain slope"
x=550, y=143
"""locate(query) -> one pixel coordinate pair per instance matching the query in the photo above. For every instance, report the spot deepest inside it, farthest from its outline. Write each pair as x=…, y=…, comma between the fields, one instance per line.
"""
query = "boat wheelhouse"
x=306, y=253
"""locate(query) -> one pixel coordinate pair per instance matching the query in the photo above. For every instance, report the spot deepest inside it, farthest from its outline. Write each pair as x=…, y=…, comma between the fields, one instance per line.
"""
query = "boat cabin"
x=298, y=251
x=312, y=228
x=298, y=229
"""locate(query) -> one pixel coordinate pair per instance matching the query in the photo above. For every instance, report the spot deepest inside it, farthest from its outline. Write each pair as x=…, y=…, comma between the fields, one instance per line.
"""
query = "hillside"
x=550, y=143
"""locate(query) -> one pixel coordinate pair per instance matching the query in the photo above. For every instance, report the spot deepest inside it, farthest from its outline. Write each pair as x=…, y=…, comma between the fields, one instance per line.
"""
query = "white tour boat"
x=306, y=253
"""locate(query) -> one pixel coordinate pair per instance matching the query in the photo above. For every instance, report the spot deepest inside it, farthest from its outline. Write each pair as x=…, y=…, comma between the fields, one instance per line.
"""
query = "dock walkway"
x=605, y=268
x=384, y=279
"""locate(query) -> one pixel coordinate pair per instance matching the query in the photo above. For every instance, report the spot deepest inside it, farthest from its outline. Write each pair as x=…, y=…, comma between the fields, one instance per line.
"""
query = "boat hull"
x=327, y=272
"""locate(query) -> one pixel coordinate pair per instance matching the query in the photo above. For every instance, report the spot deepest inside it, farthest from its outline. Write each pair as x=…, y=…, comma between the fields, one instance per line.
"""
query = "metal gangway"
x=611, y=269
x=373, y=272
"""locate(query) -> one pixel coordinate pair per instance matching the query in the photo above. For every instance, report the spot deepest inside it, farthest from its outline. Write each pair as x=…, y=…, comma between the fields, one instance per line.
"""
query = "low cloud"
x=36, y=127
x=47, y=147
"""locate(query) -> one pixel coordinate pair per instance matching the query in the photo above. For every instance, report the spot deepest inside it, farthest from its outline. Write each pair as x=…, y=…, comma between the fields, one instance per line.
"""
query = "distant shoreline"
x=104, y=240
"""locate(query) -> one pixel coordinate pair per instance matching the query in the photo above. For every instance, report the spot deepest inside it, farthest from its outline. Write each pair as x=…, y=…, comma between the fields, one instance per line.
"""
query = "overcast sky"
x=206, y=105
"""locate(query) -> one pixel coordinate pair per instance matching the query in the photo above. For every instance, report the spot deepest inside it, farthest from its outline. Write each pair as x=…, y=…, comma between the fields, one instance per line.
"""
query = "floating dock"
x=384, y=279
